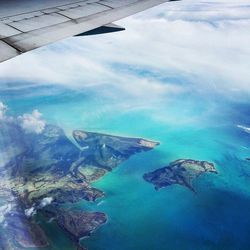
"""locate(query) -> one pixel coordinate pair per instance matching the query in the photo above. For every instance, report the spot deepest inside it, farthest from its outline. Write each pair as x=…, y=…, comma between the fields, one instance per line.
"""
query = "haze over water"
x=139, y=216
x=188, y=89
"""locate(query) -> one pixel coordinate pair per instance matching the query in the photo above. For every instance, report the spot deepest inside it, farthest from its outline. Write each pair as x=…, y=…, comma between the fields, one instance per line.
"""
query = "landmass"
x=41, y=172
x=182, y=172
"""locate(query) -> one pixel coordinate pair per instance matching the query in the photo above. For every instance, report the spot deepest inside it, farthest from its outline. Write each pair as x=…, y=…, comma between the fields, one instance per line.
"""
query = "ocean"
x=188, y=126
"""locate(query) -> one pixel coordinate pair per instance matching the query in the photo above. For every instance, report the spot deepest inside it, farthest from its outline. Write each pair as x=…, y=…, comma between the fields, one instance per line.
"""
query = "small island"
x=182, y=172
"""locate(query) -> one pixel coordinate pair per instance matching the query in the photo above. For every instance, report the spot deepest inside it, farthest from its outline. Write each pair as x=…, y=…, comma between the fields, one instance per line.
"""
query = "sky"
x=174, y=48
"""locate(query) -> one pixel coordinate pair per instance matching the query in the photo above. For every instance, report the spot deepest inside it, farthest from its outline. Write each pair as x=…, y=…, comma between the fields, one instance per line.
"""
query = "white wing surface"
x=29, y=24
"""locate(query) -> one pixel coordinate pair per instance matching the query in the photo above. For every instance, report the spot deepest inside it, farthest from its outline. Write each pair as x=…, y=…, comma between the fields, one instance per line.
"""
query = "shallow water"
x=216, y=217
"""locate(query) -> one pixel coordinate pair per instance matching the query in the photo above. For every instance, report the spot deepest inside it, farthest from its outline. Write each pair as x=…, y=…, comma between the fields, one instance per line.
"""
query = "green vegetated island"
x=40, y=173
x=182, y=172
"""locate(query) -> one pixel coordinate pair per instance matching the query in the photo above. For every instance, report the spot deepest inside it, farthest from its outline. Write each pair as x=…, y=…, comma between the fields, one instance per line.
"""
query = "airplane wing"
x=29, y=24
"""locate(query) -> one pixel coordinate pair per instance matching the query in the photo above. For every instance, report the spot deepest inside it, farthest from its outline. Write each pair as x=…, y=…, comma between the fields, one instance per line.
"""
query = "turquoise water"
x=187, y=126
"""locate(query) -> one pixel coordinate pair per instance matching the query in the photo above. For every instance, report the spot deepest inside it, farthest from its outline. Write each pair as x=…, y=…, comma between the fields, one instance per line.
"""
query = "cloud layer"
x=170, y=49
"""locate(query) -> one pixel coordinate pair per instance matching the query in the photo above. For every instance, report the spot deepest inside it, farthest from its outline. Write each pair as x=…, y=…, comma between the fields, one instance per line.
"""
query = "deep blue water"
x=193, y=125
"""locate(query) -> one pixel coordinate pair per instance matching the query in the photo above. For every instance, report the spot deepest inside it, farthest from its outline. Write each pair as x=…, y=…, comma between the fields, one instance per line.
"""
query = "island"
x=41, y=172
x=182, y=172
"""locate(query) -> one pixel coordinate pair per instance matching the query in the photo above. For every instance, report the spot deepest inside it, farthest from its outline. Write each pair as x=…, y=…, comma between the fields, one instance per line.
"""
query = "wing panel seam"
x=12, y=46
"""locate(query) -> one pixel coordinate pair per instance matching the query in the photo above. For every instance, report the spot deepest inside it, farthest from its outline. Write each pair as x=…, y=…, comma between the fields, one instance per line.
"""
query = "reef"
x=41, y=172
x=182, y=172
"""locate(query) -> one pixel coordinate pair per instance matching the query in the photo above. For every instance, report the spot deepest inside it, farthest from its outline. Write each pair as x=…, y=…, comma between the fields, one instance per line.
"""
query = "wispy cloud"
x=246, y=129
x=206, y=44
x=3, y=109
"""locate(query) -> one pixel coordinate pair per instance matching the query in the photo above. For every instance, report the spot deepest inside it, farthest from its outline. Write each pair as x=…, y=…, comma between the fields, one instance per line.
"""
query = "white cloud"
x=45, y=202
x=246, y=129
x=3, y=109
x=29, y=212
x=208, y=11
x=32, y=123
x=4, y=209
x=203, y=43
